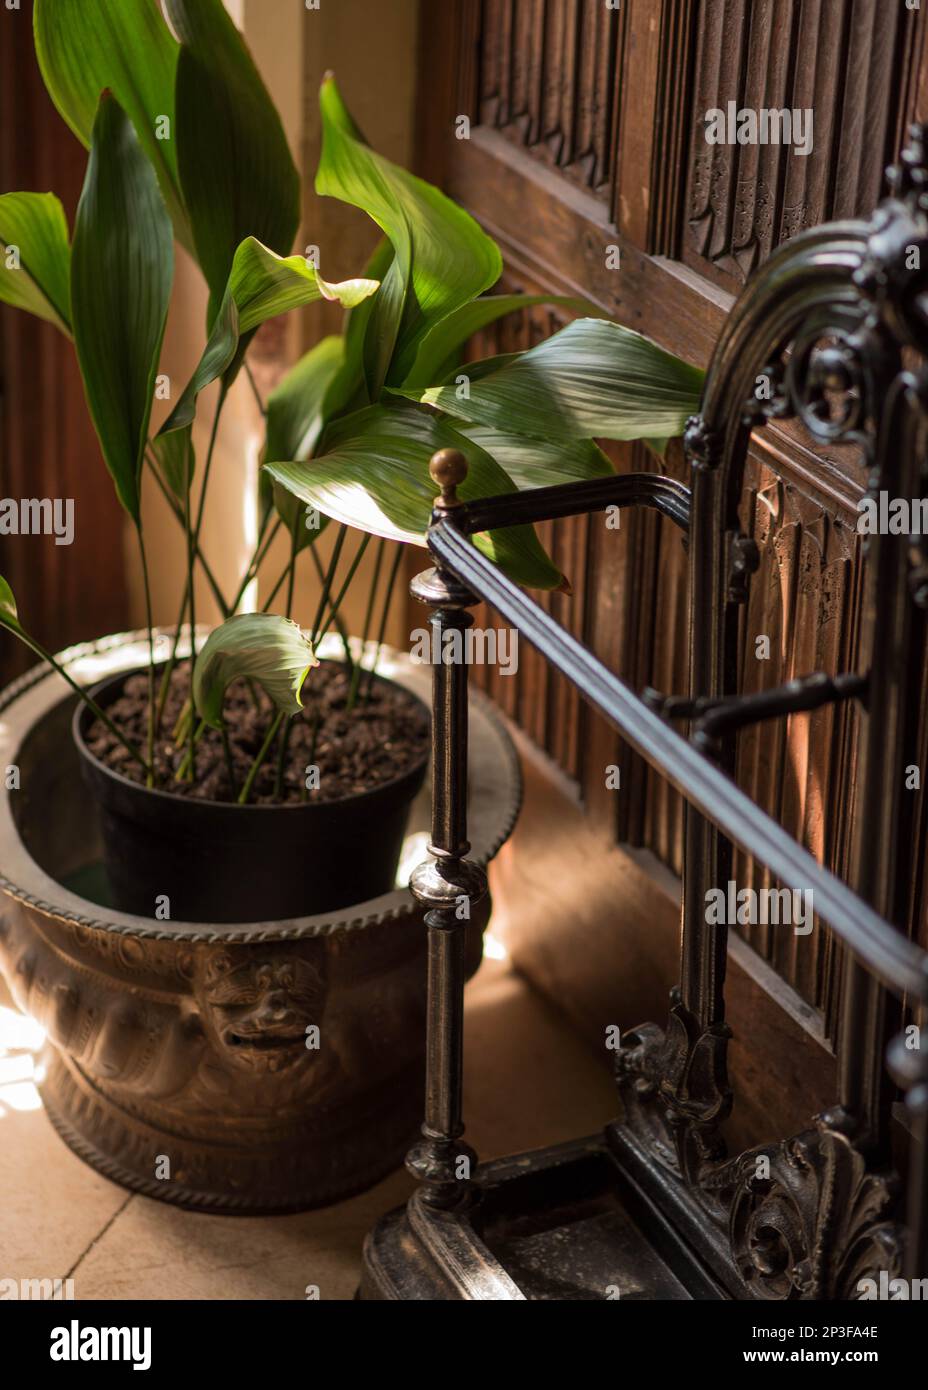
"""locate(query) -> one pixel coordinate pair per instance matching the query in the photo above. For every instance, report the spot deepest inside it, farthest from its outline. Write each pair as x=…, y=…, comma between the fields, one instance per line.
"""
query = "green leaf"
x=126, y=47
x=296, y=516
x=34, y=235
x=261, y=646
x=261, y=286
x=236, y=171
x=540, y=462
x=442, y=258
x=176, y=455
x=438, y=351
x=348, y=390
x=294, y=408
x=122, y=265
x=295, y=417
x=9, y=618
x=592, y=380
x=373, y=473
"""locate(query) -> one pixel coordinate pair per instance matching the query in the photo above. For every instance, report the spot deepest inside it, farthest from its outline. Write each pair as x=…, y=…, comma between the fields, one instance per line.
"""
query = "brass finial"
x=448, y=468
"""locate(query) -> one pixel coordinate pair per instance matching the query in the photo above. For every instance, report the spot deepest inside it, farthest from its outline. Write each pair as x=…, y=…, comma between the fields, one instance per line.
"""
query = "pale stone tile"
x=54, y=1206
x=156, y=1251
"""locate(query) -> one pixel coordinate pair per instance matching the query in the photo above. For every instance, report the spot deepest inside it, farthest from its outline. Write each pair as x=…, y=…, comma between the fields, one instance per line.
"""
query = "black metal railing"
x=827, y=323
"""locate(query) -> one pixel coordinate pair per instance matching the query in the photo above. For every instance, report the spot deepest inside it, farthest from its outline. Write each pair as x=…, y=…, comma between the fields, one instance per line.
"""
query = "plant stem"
x=227, y=749
x=254, y=387
x=169, y=668
x=337, y=603
x=181, y=773
x=292, y=576
x=327, y=581
x=255, y=562
x=288, y=726
x=394, y=571
x=220, y=402
x=150, y=778
x=179, y=732
x=339, y=625
x=191, y=590
x=262, y=754
x=178, y=512
x=282, y=745
x=88, y=700
x=276, y=589
x=372, y=594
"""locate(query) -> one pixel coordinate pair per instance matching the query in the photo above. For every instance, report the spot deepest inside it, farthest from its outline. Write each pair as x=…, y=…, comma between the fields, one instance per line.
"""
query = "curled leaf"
x=261, y=285
x=265, y=647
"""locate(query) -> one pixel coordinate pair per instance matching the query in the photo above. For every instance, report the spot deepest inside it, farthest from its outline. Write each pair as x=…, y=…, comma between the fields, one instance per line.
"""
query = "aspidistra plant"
x=185, y=139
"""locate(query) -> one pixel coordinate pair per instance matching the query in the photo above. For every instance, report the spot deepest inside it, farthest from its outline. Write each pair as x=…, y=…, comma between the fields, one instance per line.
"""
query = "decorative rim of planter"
x=89, y=662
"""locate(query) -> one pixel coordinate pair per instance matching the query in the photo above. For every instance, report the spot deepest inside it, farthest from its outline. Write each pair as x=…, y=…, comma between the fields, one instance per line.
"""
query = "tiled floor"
x=528, y=1082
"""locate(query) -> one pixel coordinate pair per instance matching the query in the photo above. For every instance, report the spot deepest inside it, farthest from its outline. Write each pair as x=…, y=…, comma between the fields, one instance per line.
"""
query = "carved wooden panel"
x=801, y=616
x=850, y=63
x=549, y=81
x=590, y=131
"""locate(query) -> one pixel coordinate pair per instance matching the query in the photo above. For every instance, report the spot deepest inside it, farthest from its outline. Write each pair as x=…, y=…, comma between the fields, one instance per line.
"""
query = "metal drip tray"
x=564, y=1223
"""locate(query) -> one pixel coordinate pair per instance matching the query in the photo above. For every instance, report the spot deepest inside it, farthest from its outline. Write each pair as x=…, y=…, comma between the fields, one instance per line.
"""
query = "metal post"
x=449, y=885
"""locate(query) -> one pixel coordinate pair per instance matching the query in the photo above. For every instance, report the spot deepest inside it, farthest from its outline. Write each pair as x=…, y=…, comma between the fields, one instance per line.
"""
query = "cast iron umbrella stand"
x=655, y=1206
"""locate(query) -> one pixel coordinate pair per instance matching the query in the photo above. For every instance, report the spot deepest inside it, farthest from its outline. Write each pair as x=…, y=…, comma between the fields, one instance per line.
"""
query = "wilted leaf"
x=265, y=647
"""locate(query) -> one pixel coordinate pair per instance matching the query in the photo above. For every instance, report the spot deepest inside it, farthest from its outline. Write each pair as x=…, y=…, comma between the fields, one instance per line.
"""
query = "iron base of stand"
x=562, y=1223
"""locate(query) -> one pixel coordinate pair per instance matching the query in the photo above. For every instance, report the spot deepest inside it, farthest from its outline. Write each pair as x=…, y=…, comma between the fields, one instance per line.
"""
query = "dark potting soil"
x=382, y=737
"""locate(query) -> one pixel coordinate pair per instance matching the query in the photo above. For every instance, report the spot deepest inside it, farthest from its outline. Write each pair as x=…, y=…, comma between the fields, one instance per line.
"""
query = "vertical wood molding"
x=851, y=62
x=47, y=444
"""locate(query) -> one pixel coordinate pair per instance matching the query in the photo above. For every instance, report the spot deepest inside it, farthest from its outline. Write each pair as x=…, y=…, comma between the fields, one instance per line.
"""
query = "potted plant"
x=240, y=779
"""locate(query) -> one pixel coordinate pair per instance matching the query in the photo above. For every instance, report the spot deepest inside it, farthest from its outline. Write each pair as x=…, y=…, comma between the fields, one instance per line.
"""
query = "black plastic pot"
x=218, y=862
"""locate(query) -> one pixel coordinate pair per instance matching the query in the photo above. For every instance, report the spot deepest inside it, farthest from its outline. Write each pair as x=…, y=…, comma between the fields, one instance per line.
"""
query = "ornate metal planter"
x=179, y=1062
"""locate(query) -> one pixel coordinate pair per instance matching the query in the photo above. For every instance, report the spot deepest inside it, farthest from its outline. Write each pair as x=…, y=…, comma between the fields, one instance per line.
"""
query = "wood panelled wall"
x=588, y=131
x=47, y=443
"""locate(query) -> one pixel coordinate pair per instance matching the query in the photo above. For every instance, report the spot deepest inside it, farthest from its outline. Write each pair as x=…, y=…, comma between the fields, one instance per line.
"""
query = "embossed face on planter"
x=261, y=1004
